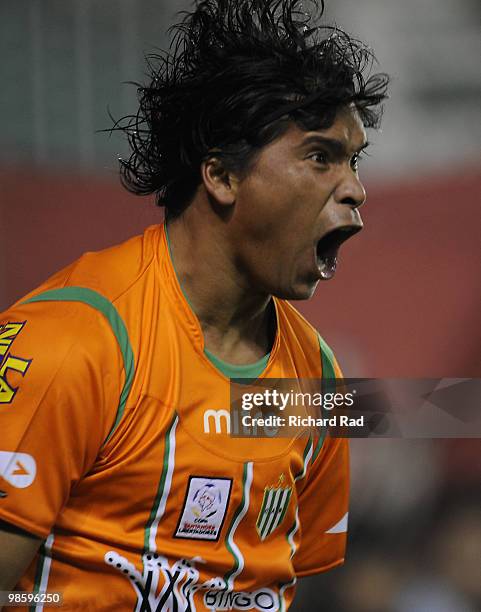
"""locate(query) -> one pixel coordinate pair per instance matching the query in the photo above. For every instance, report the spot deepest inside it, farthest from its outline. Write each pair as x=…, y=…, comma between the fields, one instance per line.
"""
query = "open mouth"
x=328, y=247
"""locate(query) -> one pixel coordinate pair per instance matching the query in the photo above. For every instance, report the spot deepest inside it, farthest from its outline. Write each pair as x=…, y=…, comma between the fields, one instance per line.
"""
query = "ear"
x=219, y=183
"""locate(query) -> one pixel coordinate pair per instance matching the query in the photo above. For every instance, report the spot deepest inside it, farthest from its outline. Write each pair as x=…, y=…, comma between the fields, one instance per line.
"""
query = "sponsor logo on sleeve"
x=8, y=362
x=205, y=506
x=18, y=469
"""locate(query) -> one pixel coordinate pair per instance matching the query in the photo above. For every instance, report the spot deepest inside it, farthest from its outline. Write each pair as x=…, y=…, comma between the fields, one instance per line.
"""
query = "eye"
x=355, y=159
x=358, y=157
x=320, y=157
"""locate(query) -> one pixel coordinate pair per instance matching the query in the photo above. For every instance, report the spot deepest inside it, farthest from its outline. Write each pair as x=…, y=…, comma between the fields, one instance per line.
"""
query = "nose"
x=350, y=190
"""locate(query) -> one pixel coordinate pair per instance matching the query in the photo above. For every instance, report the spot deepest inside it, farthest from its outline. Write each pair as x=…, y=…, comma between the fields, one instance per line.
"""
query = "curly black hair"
x=237, y=73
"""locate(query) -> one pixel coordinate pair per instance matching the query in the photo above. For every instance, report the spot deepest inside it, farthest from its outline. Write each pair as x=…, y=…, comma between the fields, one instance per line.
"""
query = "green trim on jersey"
x=230, y=370
x=249, y=370
x=282, y=590
x=42, y=572
x=328, y=384
x=38, y=574
x=108, y=310
x=163, y=490
x=295, y=526
x=239, y=514
x=327, y=358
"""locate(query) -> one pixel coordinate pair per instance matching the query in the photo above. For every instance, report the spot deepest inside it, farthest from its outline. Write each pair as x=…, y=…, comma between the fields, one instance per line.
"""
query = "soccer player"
x=120, y=484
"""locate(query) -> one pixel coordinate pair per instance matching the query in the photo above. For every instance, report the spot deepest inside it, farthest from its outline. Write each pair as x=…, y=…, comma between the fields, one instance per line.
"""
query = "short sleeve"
x=323, y=510
x=324, y=501
x=61, y=376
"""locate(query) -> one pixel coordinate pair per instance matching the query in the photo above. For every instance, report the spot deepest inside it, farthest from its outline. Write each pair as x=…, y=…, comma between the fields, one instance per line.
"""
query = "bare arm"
x=17, y=549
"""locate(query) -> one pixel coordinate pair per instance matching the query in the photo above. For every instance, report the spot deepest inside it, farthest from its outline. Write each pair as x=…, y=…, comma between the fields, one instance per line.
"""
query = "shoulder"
x=110, y=272
x=48, y=336
x=113, y=271
x=84, y=300
x=74, y=318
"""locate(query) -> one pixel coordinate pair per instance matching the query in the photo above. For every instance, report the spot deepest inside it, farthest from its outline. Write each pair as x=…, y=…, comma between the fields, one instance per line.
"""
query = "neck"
x=237, y=323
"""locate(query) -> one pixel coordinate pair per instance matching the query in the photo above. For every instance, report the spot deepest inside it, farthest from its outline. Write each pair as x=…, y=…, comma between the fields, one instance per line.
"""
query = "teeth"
x=327, y=266
x=324, y=270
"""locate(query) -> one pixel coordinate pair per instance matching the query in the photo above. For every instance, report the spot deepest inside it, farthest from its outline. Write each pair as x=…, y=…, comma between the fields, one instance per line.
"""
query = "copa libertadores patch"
x=205, y=507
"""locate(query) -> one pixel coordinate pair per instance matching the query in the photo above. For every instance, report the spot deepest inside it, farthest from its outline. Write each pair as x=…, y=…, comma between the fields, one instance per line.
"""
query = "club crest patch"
x=205, y=507
x=273, y=509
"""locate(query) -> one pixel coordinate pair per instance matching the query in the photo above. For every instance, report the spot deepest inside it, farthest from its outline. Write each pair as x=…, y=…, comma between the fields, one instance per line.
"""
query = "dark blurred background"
x=406, y=299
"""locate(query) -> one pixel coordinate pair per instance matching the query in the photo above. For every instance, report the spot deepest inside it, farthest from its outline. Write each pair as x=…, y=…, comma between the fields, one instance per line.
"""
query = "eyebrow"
x=337, y=147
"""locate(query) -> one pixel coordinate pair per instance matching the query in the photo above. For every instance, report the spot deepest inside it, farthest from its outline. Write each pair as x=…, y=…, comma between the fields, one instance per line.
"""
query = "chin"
x=302, y=291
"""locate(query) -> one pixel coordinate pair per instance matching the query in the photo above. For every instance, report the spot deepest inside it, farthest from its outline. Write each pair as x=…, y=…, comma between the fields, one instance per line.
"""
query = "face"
x=297, y=205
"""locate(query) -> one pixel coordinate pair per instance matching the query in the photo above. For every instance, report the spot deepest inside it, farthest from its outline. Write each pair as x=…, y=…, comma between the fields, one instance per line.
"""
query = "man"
x=122, y=487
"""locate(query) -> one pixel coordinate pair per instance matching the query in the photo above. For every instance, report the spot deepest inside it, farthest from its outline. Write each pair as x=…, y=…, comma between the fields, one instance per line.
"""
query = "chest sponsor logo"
x=18, y=469
x=262, y=599
x=8, y=362
x=205, y=507
x=273, y=509
x=219, y=419
x=162, y=586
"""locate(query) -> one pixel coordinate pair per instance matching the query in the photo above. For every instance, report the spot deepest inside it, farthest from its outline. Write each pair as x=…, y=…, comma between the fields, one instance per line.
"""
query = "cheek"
x=274, y=198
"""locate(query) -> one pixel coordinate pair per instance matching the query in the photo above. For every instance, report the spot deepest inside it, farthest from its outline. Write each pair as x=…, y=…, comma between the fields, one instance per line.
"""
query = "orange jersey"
x=115, y=448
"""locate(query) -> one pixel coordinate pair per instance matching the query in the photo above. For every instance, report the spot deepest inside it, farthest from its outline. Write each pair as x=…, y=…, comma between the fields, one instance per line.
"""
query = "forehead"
x=347, y=129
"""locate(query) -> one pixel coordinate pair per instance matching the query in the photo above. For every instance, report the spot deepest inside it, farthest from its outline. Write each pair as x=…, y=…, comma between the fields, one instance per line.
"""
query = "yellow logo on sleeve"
x=8, y=362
